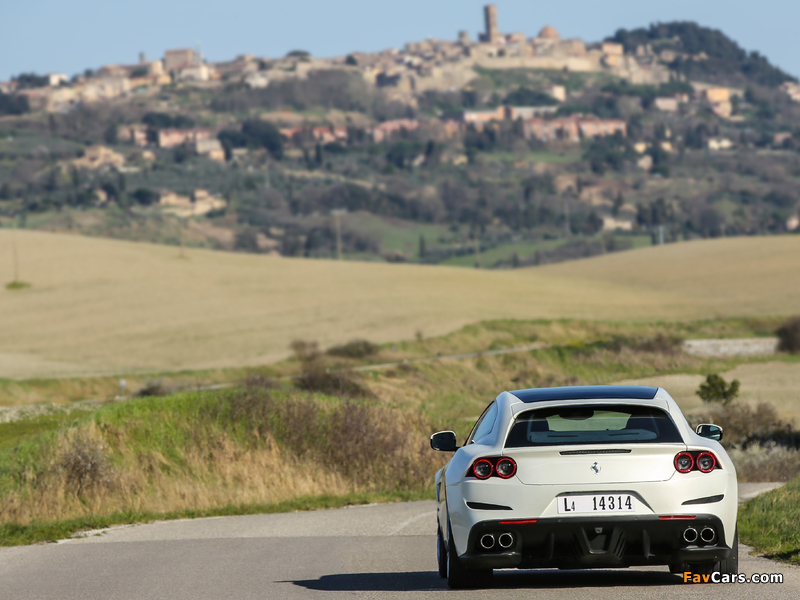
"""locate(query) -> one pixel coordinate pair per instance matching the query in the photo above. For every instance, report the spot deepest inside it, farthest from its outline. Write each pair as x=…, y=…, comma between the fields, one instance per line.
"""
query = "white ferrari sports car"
x=584, y=477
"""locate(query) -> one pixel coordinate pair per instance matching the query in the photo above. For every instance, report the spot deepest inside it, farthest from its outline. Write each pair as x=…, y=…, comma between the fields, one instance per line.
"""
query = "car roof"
x=587, y=392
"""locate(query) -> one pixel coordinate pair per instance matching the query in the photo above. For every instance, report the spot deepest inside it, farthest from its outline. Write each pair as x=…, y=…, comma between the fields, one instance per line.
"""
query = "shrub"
x=153, y=388
x=369, y=445
x=355, y=349
x=747, y=426
x=305, y=351
x=85, y=466
x=715, y=389
x=789, y=336
x=766, y=463
x=344, y=383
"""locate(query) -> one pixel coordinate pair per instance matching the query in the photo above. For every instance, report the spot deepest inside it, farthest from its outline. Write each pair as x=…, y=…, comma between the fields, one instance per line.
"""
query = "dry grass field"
x=99, y=306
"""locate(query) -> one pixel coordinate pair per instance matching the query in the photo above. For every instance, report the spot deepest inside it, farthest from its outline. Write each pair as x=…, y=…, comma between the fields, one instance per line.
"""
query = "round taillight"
x=706, y=462
x=482, y=469
x=506, y=468
x=684, y=462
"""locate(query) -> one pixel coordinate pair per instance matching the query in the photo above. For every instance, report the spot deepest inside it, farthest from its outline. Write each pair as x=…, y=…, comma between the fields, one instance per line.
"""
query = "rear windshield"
x=592, y=424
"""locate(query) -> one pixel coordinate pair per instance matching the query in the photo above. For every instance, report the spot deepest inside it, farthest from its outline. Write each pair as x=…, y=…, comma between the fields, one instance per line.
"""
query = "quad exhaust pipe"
x=506, y=540
x=488, y=540
x=690, y=535
x=708, y=534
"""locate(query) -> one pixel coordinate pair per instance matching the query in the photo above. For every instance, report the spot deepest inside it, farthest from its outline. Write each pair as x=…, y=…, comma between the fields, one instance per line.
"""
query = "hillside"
x=100, y=306
x=720, y=58
x=519, y=150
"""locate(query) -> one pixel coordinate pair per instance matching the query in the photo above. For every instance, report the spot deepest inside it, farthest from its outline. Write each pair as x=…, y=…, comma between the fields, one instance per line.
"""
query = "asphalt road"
x=379, y=551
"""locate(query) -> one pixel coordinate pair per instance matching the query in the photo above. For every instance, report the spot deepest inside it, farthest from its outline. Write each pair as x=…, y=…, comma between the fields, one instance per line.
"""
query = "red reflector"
x=677, y=517
x=516, y=522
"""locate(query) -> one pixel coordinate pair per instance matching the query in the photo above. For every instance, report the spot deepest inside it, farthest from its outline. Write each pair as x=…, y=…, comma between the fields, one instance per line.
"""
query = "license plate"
x=610, y=503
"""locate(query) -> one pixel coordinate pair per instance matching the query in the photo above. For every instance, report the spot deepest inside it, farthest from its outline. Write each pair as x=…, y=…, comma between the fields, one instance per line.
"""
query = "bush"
x=355, y=349
x=85, y=466
x=715, y=389
x=343, y=383
x=369, y=445
x=305, y=351
x=766, y=463
x=153, y=388
x=789, y=336
x=747, y=426
x=145, y=196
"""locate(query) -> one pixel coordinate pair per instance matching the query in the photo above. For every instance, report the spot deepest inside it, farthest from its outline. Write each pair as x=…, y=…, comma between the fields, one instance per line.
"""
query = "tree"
x=145, y=196
x=266, y=135
x=524, y=96
x=715, y=389
x=422, y=246
x=13, y=105
x=110, y=134
x=789, y=336
x=31, y=80
x=157, y=120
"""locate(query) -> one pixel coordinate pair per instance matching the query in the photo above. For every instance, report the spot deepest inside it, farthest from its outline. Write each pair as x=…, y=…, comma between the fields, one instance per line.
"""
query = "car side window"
x=484, y=425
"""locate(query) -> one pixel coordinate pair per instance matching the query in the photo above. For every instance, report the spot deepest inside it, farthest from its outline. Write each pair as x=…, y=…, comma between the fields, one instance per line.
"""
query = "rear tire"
x=730, y=565
x=441, y=552
x=459, y=577
x=727, y=566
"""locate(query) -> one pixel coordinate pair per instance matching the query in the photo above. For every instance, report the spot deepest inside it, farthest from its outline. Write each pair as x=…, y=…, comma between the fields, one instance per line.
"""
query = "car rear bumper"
x=586, y=542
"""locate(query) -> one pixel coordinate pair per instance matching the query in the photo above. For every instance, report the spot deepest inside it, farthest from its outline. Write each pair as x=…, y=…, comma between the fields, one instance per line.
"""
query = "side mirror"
x=712, y=432
x=444, y=441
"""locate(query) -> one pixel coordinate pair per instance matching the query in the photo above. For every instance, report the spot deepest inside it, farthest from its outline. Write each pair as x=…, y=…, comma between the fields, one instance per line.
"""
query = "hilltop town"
x=500, y=150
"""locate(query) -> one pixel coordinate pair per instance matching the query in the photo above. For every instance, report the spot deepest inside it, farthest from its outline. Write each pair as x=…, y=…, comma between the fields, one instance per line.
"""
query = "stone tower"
x=491, y=36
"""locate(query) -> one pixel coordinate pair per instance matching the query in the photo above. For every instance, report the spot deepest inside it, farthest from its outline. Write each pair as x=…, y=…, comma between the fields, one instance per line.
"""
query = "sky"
x=67, y=36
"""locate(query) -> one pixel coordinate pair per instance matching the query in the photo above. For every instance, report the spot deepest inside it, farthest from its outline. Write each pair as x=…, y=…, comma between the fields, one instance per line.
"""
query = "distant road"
x=378, y=551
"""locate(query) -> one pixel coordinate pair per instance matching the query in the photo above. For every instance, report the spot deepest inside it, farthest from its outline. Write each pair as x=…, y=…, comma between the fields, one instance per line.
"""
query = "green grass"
x=397, y=235
x=15, y=534
x=768, y=523
x=554, y=158
x=526, y=249
x=15, y=432
x=504, y=252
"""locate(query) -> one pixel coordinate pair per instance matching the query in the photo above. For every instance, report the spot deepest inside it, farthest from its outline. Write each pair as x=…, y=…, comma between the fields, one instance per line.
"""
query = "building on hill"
x=528, y=112
x=180, y=58
x=241, y=66
x=491, y=34
x=572, y=128
x=98, y=157
x=199, y=72
x=210, y=148
x=793, y=90
x=476, y=117
x=559, y=92
x=56, y=79
x=388, y=128
x=170, y=138
x=199, y=203
x=134, y=134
